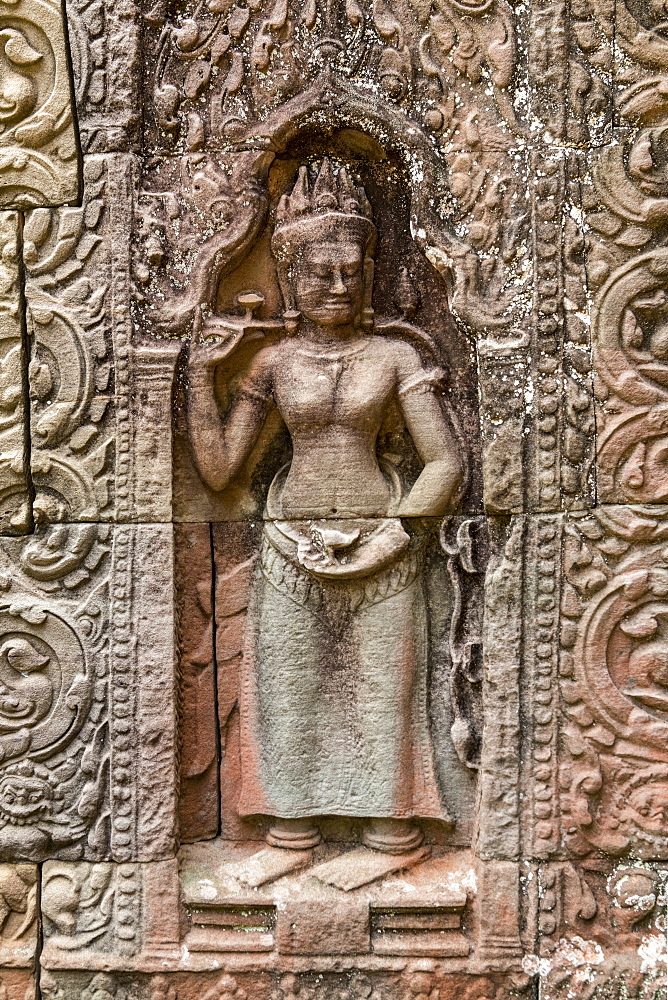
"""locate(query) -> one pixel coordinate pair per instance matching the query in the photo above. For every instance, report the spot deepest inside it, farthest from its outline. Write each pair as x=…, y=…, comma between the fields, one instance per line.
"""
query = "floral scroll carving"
x=71, y=378
x=627, y=267
x=49, y=786
x=245, y=61
x=638, y=28
x=16, y=514
x=89, y=903
x=230, y=77
x=613, y=601
x=38, y=145
x=614, y=683
x=43, y=688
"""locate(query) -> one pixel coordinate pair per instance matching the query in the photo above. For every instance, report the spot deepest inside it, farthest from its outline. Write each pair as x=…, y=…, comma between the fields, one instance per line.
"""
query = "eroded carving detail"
x=198, y=214
x=615, y=782
x=50, y=788
x=363, y=564
x=626, y=266
x=72, y=378
x=337, y=565
x=610, y=913
x=15, y=506
x=246, y=61
x=38, y=151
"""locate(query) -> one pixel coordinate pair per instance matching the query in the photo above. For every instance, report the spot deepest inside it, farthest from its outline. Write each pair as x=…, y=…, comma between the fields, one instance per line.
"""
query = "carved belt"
x=280, y=567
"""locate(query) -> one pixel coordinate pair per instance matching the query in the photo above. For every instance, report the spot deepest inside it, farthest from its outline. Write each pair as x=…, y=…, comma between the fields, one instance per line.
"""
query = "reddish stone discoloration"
x=198, y=803
x=333, y=556
x=413, y=983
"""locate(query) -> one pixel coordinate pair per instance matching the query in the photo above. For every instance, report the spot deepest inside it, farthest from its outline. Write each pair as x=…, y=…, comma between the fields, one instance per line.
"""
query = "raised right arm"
x=221, y=446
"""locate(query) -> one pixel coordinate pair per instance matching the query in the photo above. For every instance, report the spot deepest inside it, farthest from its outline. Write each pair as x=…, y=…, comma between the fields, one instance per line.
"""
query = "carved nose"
x=337, y=286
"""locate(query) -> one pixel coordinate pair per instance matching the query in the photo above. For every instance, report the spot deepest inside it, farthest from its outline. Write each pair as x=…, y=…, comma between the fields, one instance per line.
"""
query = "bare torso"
x=333, y=401
x=333, y=396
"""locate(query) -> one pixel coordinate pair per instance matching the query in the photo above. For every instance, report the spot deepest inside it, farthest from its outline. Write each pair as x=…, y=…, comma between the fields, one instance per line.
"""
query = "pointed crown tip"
x=329, y=190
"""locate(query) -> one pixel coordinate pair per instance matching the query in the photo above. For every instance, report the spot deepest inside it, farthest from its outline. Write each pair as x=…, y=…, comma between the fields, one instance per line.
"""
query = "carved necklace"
x=337, y=361
x=338, y=354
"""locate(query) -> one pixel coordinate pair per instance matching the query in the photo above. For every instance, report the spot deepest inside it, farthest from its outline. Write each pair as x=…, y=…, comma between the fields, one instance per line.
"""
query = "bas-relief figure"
x=344, y=633
x=334, y=718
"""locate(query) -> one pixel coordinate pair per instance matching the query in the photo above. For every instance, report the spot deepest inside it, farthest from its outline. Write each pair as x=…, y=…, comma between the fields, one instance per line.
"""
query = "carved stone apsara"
x=333, y=482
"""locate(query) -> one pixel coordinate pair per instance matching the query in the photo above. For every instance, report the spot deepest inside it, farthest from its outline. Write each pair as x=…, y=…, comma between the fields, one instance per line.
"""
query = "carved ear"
x=290, y=313
x=17, y=48
x=367, y=306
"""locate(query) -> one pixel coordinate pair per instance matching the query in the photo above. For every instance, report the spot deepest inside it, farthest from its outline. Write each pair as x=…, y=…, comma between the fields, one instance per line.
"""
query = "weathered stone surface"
x=98, y=449
x=19, y=923
x=88, y=716
x=602, y=927
x=416, y=981
x=104, y=44
x=424, y=903
x=38, y=137
x=199, y=746
x=332, y=653
x=451, y=576
x=614, y=782
x=16, y=505
x=109, y=916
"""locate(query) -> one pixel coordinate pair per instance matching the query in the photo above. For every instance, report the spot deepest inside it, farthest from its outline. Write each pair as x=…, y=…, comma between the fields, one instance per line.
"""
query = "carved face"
x=24, y=798
x=650, y=805
x=328, y=282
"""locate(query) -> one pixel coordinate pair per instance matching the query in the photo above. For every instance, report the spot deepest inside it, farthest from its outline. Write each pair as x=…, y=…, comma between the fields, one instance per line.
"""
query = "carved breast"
x=349, y=390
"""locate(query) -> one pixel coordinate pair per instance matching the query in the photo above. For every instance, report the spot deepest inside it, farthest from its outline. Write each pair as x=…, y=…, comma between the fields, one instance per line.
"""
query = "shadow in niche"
x=408, y=288
x=405, y=284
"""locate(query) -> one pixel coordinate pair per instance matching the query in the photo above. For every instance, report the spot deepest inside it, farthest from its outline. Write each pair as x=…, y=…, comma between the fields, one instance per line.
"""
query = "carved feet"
x=391, y=836
x=295, y=834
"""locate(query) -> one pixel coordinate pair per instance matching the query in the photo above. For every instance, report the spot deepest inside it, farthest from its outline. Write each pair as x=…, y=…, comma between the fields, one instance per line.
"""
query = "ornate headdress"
x=330, y=203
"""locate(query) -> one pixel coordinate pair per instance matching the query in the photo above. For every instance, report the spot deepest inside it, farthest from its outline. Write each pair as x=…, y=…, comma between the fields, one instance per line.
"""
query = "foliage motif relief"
x=614, y=684
x=244, y=60
x=625, y=208
x=15, y=516
x=38, y=147
x=534, y=727
x=55, y=642
x=217, y=72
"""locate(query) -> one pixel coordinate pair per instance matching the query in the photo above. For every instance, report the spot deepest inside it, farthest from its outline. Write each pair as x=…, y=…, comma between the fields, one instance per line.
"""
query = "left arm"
x=443, y=471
